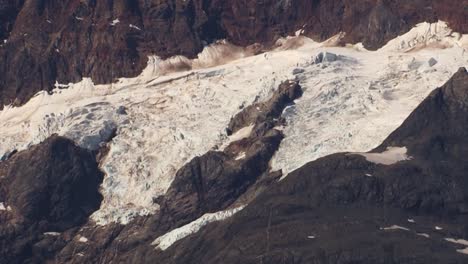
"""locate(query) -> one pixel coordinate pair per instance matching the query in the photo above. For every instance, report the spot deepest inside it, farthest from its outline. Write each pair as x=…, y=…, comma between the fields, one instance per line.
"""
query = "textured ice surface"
x=178, y=109
x=354, y=103
x=169, y=120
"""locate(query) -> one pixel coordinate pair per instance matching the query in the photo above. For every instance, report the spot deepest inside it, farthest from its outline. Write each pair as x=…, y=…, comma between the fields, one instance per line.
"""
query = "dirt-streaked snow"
x=178, y=109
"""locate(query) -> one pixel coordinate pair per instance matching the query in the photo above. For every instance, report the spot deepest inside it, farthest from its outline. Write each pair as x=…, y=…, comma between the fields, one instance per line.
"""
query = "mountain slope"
x=350, y=103
x=51, y=187
x=349, y=207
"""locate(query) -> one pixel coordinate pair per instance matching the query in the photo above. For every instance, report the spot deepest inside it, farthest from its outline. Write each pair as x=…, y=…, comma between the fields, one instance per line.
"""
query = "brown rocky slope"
x=43, y=41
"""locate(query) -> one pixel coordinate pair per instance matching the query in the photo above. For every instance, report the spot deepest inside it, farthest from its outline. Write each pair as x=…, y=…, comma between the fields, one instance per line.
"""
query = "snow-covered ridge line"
x=218, y=53
x=165, y=116
x=165, y=241
x=427, y=35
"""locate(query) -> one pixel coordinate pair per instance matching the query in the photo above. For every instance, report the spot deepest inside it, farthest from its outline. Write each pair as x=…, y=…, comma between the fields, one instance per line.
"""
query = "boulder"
x=432, y=62
x=325, y=57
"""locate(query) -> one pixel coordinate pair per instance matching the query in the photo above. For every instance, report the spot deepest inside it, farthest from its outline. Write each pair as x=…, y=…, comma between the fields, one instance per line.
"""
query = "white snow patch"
x=460, y=242
x=299, y=32
x=311, y=237
x=2, y=207
x=115, y=22
x=423, y=235
x=83, y=239
x=135, y=27
x=51, y=234
x=463, y=251
x=368, y=175
x=8, y=208
x=396, y=227
x=411, y=221
x=391, y=156
x=457, y=241
x=240, y=156
x=438, y=228
x=168, y=239
x=80, y=254
x=239, y=135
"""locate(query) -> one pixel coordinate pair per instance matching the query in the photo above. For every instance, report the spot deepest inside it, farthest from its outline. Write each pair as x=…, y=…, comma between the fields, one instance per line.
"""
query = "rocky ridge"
x=46, y=42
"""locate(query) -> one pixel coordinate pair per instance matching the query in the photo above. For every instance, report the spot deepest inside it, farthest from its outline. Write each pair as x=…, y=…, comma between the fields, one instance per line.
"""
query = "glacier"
x=179, y=108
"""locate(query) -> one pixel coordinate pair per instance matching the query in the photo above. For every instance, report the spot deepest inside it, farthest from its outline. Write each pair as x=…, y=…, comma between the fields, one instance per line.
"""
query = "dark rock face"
x=63, y=41
x=341, y=208
x=258, y=113
x=52, y=186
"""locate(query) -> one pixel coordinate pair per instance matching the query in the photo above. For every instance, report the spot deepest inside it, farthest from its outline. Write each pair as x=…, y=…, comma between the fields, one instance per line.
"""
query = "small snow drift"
x=395, y=227
x=391, y=156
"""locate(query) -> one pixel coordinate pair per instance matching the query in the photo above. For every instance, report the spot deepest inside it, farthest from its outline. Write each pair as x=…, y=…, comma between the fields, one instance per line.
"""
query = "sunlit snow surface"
x=350, y=104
